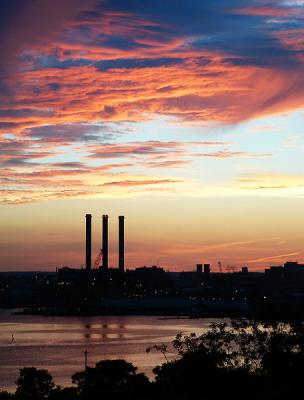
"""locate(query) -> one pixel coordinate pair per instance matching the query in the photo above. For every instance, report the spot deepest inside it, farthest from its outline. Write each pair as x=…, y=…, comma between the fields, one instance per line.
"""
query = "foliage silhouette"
x=246, y=357
x=68, y=393
x=110, y=378
x=232, y=361
x=34, y=384
x=4, y=395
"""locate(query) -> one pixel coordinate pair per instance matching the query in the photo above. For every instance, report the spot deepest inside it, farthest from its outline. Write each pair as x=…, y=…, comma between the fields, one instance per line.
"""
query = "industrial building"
x=101, y=289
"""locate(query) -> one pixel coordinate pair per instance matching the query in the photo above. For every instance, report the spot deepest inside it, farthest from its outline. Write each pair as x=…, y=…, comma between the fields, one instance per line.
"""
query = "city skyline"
x=185, y=117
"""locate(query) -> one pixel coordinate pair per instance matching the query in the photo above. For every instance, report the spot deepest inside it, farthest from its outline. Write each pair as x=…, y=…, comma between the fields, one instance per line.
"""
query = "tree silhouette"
x=4, y=395
x=249, y=358
x=237, y=360
x=68, y=393
x=109, y=378
x=34, y=384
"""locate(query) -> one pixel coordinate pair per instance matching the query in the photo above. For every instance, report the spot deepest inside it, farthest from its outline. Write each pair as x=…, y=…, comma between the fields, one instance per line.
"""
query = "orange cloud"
x=140, y=182
x=222, y=92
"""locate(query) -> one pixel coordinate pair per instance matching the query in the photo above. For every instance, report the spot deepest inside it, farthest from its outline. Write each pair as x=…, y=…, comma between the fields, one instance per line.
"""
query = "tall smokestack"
x=88, y=242
x=121, y=245
x=105, y=242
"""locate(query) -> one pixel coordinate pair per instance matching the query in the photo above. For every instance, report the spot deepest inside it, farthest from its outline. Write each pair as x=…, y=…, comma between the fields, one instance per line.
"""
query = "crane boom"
x=220, y=266
x=97, y=260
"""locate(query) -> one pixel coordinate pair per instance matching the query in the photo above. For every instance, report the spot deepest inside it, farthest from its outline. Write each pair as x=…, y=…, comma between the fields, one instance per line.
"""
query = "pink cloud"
x=231, y=154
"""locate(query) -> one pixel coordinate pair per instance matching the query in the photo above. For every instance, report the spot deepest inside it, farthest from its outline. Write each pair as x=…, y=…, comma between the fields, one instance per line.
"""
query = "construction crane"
x=220, y=266
x=97, y=260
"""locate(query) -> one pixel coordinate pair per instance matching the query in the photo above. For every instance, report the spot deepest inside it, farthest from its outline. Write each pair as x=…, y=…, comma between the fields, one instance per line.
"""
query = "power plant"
x=99, y=289
x=104, y=251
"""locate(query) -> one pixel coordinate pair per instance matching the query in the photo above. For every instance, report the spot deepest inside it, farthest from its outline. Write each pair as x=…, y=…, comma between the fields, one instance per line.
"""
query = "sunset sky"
x=185, y=116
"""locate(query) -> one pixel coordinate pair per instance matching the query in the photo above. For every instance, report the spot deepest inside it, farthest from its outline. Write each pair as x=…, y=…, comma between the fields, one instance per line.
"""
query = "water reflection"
x=105, y=332
x=58, y=343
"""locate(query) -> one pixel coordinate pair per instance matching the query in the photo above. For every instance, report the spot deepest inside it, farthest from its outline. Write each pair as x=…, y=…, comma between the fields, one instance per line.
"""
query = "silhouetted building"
x=104, y=290
x=199, y=268
x=206, y=269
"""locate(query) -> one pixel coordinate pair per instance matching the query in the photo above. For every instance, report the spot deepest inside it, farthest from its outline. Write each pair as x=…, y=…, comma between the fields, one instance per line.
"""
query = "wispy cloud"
x=109, y=150
x=120, y=62
x=276, y=257
x=271, y=181
x=68, y=133
x=232, y=154
x=140, y=182
x=18, y=153
x=83, y=72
